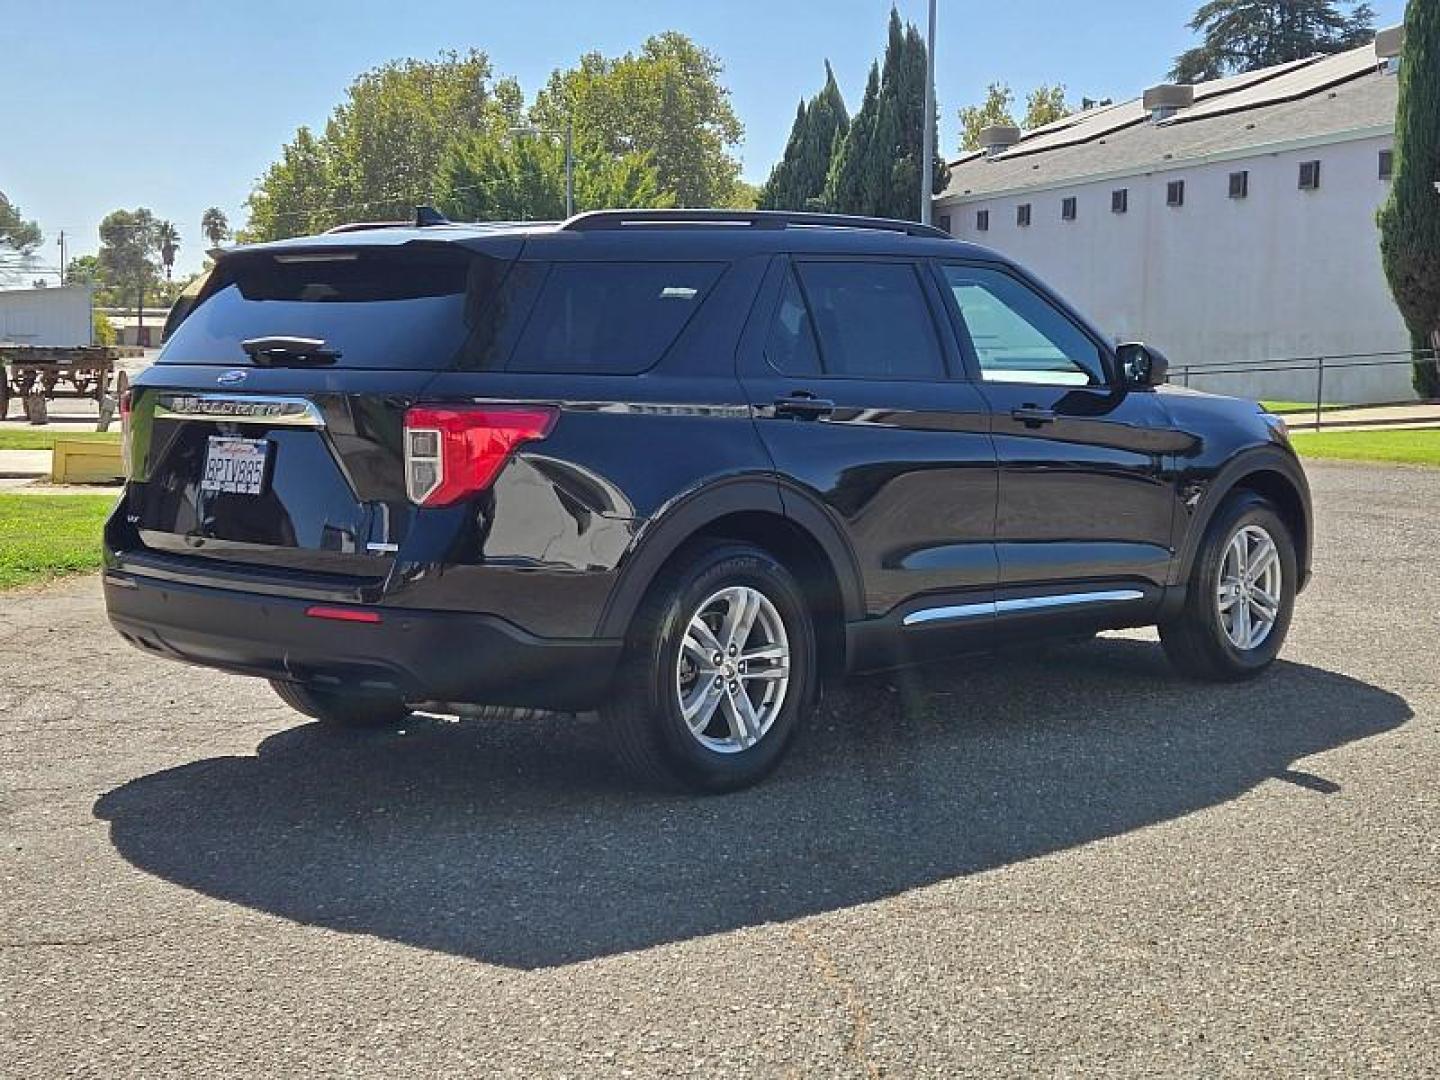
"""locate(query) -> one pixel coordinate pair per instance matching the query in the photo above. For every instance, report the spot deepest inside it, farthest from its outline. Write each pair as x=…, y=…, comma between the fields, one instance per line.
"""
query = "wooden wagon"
x=86, y=371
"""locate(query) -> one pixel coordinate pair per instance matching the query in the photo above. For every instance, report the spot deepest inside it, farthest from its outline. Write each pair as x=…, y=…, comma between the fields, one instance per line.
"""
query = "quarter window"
x=791, y=347
x=1018, y=336
x=872, y=320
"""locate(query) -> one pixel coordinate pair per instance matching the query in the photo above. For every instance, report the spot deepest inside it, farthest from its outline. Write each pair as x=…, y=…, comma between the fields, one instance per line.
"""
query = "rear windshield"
x=378, y=307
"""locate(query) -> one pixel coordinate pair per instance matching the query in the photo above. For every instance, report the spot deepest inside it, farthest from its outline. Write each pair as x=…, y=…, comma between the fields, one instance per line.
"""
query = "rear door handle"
x=803, y=406
x=1033, y=415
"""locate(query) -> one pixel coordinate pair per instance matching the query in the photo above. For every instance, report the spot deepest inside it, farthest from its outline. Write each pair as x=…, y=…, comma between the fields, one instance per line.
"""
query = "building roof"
x=1324, y=98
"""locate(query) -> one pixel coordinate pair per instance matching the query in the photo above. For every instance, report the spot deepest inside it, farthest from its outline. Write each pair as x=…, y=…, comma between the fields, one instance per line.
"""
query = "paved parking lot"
x=1058, y=864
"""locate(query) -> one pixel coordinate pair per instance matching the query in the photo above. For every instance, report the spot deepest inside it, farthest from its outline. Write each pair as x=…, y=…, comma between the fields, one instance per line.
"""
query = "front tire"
x=338, y=709
x=1240, y=596
x=719, y=671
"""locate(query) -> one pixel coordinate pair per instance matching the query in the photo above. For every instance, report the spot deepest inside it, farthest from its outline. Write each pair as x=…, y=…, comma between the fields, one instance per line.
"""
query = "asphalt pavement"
x=1056, y=862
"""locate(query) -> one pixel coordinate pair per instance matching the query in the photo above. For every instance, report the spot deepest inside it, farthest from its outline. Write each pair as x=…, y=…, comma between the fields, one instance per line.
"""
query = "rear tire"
x=1224, y=608
x=745, y=707
x=339, y=709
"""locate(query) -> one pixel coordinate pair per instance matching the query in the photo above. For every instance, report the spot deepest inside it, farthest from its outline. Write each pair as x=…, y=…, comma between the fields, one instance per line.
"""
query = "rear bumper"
x=421, y=655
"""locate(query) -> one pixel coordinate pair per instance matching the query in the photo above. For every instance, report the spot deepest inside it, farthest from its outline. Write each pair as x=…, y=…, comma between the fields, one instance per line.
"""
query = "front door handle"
x=1033, y=416
x=802, y=405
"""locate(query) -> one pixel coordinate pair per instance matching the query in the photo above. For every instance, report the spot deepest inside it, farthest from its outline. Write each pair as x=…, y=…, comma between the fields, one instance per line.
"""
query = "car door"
x=861, y=401
x=1085, y=501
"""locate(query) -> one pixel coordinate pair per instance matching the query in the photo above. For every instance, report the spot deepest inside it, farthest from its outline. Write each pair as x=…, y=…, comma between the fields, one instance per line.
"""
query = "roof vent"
x=1389, y=43
x=1165, y=100
x=997, y=138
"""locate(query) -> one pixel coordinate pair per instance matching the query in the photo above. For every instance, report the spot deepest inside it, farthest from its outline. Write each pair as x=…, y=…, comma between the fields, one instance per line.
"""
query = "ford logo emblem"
x=230, y=378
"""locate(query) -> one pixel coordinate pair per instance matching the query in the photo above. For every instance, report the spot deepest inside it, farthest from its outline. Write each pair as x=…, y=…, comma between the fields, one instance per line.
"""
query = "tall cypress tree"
x=798, y=180
x=877, y=170
x=1410, y=220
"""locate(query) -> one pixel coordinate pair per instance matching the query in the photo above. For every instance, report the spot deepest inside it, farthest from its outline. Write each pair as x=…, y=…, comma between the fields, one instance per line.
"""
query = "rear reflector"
x=454, y=451
x=340, y=614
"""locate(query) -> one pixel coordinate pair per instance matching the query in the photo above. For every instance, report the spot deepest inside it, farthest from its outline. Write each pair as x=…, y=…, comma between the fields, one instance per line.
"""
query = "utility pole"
x=927, y=156
x=62, y=258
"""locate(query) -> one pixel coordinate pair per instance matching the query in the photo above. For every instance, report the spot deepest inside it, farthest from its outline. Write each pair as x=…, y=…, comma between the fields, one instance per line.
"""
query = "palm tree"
x=215, y=225
x=168, y=239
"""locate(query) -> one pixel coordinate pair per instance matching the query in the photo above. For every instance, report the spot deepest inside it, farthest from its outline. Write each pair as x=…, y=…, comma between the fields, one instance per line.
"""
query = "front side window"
x=1018, y=336
x=871, y=320
x=610, y=318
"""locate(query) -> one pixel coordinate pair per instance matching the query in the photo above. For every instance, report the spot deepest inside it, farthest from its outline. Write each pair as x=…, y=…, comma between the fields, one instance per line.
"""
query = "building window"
x=1309, y=175
x=1175, y=193
x=1387, y=164
x=1022, y=215
x=1240, y=184
x=1068, y=207
x=982, y=220
x=1119, y=200
x=945, y=223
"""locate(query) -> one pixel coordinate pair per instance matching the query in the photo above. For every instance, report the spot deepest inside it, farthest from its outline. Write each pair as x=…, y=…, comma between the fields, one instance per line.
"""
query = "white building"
x=1228, y=224
x=54, y=316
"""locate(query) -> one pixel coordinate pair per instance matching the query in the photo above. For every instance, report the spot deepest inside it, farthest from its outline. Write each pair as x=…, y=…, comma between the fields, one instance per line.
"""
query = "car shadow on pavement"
x=518, y=844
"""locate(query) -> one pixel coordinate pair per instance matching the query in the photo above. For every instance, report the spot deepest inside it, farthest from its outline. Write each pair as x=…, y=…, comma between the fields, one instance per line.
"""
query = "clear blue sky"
x=179, y=106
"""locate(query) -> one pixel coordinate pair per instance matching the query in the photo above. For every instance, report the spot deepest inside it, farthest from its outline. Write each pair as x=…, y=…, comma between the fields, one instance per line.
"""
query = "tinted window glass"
x=1018, y=336
x=610, y=318
x=379, y=308
x=790, y=348
x=872, y=320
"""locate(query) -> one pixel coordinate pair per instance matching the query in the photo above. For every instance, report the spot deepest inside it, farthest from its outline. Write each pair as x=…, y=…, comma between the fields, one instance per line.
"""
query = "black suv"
x=678, y=467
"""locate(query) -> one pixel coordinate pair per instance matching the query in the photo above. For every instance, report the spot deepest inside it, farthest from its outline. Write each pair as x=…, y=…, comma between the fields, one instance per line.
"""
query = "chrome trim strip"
x=957, y=611
x=240, y=409
x=1023, y=603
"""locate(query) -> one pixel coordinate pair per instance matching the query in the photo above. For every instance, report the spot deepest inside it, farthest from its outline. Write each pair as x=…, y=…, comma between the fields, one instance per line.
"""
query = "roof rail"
x=425, y=216
x=600, y=220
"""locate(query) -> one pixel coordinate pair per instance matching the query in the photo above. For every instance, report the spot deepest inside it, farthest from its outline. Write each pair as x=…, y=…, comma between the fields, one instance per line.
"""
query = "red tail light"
x=452, y=451
x=125, y=406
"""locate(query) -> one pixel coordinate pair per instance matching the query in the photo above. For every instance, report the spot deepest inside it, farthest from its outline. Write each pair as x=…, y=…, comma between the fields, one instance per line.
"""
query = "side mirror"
x=1143, y=365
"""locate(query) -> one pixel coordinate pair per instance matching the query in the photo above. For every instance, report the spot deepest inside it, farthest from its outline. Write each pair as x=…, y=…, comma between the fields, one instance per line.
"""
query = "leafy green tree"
x=666, y=101
x=215, y=226
x=1044, y=105
x=996, y=109
x=798, y=180
x=129, y=243
x=1410, y=220
x=485, y=178
x=19, y=239
x=1245, y=35
x=878, y=168
x=381, y=147
x=102, y=329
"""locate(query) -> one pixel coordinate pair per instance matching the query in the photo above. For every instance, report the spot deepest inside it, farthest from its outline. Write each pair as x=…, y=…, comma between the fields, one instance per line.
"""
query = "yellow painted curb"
x=82, y=461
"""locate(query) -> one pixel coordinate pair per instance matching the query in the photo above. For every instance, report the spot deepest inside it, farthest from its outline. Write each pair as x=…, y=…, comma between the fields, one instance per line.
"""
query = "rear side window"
x=379, y=307
x=872, y=320
x=610, y=318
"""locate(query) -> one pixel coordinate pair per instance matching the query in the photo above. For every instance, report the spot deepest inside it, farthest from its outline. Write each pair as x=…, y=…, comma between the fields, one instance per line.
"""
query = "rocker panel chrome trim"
x=1023, y=603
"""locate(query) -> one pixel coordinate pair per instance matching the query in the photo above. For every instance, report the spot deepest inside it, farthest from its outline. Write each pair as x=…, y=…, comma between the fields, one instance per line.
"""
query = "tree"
x=485, y=178
x=999, y=101
x=381, y=147
x=215, y=226
x=167, y=240
x=129, y=241
x=798, y=180
x=1044, y=105
x=1410, y=219
x=1245, y=35
x=18, y=239
x=666, y=101
x=878, y=167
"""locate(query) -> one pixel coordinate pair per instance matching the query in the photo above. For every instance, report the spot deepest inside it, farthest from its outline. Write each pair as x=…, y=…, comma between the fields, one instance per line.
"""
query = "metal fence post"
x=1319, y=390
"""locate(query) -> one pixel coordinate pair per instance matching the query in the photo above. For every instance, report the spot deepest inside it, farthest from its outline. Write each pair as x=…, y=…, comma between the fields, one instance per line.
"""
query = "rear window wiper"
x=289, y=351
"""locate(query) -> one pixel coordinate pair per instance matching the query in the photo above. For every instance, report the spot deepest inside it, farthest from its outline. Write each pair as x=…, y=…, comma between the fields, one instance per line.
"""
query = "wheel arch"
x=1269, y=472
x=800, y=533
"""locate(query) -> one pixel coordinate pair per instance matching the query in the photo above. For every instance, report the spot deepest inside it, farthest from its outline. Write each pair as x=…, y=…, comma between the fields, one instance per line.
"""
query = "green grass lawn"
x=1403, y=447
x=44, y=536
x=1280, y=408
x=43, y=438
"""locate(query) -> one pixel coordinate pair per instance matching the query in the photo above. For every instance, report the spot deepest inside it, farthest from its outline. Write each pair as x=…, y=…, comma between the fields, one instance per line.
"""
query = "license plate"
x=236, y=466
